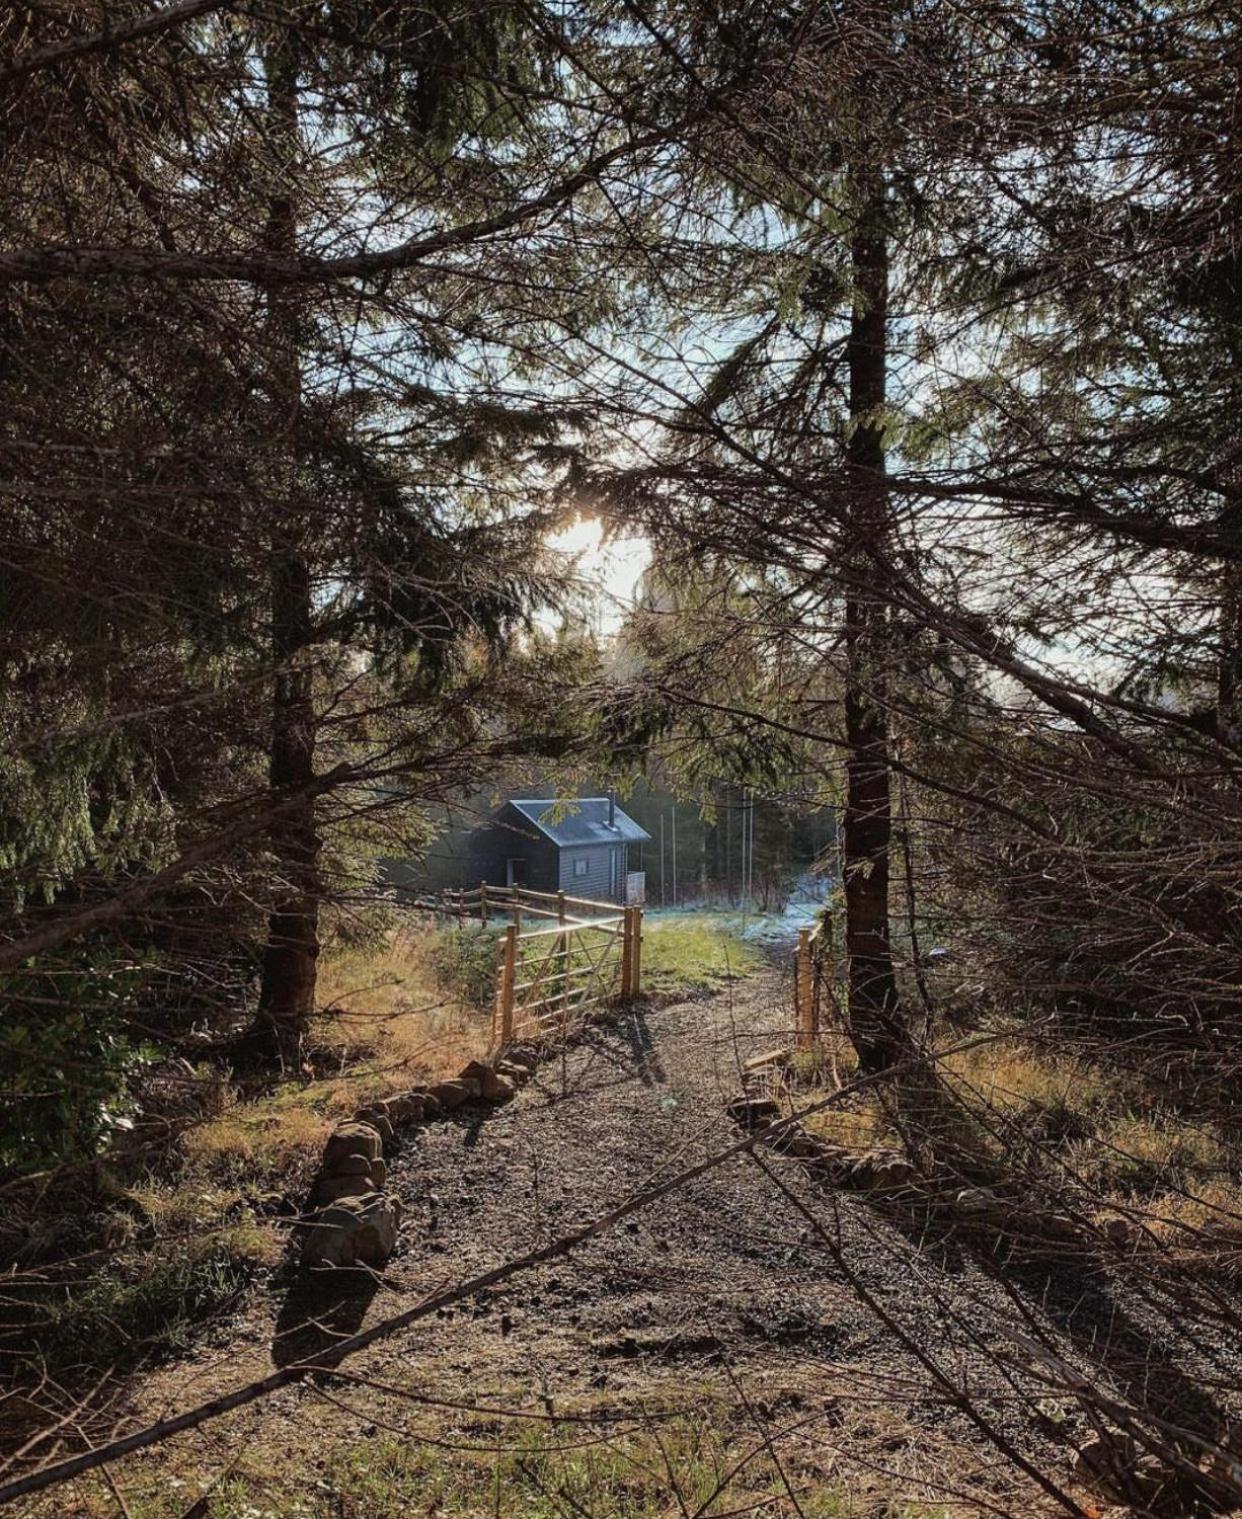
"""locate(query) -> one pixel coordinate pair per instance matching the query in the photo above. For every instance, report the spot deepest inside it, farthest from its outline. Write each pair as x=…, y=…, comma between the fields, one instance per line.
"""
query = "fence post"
x=483, y=903
x=627, y=952
x=504, y=994
x=804, y=994
x=636, y=977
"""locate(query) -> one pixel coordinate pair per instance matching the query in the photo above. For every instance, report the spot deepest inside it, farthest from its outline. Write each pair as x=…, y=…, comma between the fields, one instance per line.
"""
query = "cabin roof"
x=584, y=821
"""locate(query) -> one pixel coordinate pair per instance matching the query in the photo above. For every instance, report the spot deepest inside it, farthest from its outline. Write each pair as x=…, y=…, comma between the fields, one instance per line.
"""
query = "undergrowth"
x=181, y=1238
x=1097, y=1134
x=703, y=1463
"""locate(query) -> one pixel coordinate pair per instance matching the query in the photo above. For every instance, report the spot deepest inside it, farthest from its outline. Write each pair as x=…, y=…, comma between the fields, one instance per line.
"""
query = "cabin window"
x=582, y=866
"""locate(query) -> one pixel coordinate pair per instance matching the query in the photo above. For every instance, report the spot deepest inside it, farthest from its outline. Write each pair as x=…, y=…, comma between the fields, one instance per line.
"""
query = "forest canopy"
x=906, y=337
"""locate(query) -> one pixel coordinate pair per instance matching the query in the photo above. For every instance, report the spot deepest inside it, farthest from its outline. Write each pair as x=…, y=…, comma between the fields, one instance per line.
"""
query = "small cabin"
x=580, y=847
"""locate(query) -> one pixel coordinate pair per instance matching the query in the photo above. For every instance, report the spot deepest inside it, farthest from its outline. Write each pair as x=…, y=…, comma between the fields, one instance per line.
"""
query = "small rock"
x=1122, y=1232
x=520, y=1055
x=498, y=1088
x=517, y=1074
x=475, y=1070
x=354, y=1231
x=451, y=1094
x=880, y=1170
x=352, y=1139
x=348, y=1165
x=379, y=1121
x=330, y=1189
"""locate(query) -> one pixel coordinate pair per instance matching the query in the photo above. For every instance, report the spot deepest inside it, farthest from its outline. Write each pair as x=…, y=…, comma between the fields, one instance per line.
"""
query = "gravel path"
x=722, y=1268
x=724, y=1284
x=726, y=1272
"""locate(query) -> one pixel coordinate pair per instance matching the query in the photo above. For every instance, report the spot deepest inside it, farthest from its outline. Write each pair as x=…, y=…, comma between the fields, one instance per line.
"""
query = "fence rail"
x=486, y=902
x=578, y=955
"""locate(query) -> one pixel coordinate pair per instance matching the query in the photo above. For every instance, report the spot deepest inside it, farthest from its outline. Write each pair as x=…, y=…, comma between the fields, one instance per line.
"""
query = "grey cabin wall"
x=511, y=836
x=595, y=883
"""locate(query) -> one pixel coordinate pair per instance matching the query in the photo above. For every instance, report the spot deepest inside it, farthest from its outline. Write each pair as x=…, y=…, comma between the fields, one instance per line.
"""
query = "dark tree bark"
x=287, y=990
x=876, y=1025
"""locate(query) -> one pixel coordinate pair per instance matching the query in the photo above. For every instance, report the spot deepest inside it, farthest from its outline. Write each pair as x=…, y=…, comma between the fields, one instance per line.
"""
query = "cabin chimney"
x=612, y=808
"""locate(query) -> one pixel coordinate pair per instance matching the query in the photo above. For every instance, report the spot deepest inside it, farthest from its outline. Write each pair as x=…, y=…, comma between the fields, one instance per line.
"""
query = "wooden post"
x=483, y=903
x=504, y=995
x=627, y=953
x=636, y=975
x=804, y=994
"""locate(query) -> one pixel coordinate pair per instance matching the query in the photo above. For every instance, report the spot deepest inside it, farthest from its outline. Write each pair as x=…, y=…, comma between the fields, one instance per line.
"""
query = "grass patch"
x=697, y=1462
x=689, y=954
x=407, y=1006
x=390, y=1017
x=148, y=1304
x=1100, y=1135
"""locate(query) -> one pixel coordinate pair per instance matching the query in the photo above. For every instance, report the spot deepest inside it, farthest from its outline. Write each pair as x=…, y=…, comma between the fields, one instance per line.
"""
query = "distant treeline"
x=727, y=846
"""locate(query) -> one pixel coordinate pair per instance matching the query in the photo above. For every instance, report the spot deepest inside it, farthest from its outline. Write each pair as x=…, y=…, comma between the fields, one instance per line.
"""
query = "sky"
x=609, y=572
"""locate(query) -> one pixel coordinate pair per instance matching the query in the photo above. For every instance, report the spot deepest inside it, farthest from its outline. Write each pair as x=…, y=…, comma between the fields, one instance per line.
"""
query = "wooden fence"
x=575, y=955
x=515, y=903
x=549, y=979
x=813, y=971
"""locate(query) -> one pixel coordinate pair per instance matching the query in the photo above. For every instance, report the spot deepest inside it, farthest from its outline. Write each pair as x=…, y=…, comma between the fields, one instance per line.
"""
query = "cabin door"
x=515, y=871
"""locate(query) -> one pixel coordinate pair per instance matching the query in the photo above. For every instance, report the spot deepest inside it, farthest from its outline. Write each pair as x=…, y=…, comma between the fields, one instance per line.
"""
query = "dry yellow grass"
x=386, y=1023
x=1095, y=1130
x=390, y=1018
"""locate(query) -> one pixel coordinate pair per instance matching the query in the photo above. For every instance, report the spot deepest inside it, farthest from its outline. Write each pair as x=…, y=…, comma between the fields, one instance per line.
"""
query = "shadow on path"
x=319, y=1310
x=636, y=1032
x=1073, y=1307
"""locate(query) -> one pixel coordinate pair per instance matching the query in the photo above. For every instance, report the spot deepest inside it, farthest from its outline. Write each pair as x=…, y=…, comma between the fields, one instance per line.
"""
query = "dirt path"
x=722, y=1282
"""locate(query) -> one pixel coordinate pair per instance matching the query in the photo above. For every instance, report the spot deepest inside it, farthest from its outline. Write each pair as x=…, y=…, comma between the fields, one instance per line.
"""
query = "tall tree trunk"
x=876, y=1024
x=287, y=991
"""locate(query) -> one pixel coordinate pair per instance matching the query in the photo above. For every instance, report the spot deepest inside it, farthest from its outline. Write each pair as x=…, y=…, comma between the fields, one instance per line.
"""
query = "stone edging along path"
x=352, y=1220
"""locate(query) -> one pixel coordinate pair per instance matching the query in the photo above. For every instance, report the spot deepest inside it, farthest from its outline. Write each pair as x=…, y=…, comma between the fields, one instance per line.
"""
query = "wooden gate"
x=577, y=955
x=550, y=979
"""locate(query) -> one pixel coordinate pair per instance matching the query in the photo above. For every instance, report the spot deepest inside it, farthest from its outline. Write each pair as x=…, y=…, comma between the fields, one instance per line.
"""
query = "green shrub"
x=464, y=959
x=67, y=1061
